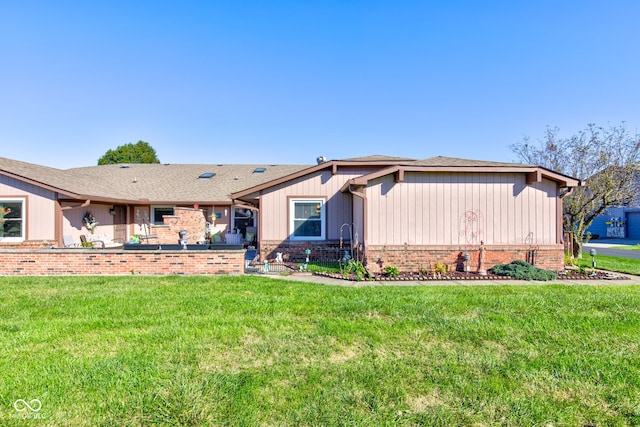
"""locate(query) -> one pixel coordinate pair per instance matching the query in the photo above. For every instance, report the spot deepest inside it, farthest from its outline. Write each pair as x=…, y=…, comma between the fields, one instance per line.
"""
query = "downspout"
x=363, y=196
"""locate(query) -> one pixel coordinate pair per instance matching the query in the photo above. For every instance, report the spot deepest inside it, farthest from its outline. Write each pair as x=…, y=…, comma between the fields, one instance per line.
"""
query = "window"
x=158, y=212
x=12, y=214
x=243, y=218
x=307, y=220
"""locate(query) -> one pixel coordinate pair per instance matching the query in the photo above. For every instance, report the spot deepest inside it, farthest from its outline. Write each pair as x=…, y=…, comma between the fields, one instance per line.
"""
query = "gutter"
x=363, y=196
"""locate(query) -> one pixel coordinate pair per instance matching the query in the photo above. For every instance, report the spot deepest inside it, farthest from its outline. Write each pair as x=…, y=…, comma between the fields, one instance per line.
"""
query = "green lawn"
x=627, y=247
x=179, y=351
x=612, y=263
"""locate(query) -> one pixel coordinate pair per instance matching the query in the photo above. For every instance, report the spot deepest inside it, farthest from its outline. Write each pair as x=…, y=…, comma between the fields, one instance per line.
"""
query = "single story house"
x=384, y=210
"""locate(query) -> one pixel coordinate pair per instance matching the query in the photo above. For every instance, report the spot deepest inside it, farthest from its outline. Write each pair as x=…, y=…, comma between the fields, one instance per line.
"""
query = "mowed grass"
x=180, y=351
x=611, y=263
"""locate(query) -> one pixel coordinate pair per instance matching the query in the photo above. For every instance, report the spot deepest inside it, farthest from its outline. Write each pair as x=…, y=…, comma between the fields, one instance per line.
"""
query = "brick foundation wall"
x=86, y=262
x=415, y=258
x=29, y=244
x=294, y=251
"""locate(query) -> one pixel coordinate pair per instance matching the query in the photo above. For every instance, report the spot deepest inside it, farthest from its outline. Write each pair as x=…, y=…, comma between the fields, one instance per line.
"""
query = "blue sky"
x=287, y=81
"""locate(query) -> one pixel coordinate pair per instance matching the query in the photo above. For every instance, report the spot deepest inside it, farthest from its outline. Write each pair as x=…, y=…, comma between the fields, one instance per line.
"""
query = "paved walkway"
x=306, y=277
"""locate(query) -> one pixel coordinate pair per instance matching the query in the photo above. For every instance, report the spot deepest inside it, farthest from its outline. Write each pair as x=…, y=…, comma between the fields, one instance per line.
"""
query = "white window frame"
x=23, y=218
x=292, y=218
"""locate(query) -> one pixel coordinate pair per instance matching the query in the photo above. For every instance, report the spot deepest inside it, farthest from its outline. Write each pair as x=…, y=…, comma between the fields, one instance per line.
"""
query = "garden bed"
x=460, y=275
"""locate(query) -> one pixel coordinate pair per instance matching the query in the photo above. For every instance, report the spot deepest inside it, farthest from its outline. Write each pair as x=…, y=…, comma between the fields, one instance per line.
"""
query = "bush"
x=392, y=271
x=522, y=270
x=357, y=269
x=440, y=268
x=570, y=261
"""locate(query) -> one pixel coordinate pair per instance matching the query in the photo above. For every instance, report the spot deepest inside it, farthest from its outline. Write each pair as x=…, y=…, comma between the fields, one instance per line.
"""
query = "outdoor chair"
x=250, y=235
x=68, y=242
x=103, y=241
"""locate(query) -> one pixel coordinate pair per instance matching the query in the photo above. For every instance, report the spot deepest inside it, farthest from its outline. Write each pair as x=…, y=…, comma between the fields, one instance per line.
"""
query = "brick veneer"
x=57, y=262
x=294, y=251
x=414, y=258
x=189, y=219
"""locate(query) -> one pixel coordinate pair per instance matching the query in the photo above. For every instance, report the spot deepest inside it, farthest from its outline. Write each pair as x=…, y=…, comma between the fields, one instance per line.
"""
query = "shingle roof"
x=377, y=158
x=149, y=182
x=180, y=182
x=458, y=162
x=173, y=183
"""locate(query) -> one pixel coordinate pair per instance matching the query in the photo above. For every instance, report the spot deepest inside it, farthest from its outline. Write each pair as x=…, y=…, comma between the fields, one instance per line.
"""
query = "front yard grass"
x=611, y=263
x=260, y=351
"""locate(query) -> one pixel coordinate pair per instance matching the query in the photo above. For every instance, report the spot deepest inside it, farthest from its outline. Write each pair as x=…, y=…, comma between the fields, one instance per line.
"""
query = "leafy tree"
x=606, y=160
x=140, y=152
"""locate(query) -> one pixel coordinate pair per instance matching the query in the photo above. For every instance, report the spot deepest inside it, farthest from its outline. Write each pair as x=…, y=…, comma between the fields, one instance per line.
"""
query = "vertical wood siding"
x=461, y=208
x=40, y=207
x=274, y=203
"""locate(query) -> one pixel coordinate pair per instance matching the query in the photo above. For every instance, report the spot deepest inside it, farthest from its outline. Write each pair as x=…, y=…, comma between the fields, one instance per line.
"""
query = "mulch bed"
x=460, y=275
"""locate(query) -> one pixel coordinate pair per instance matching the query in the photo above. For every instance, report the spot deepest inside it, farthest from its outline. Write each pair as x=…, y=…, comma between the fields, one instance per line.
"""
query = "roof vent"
x=207, y=175
x=321, y=159
x=124, y=166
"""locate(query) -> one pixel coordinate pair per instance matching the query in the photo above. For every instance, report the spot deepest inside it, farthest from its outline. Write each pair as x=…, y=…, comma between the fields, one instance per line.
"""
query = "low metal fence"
x=267, y=267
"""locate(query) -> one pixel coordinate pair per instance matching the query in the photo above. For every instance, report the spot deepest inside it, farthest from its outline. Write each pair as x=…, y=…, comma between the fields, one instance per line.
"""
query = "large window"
x=158, y=212
x=12, y=214
x=307, y=219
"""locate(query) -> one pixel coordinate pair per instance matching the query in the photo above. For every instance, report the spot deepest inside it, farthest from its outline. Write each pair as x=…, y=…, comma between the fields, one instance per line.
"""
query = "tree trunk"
x=577, y=246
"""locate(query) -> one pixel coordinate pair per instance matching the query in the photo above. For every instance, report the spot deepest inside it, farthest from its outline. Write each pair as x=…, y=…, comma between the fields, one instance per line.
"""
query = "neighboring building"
x=389, y=210
x=617, y=223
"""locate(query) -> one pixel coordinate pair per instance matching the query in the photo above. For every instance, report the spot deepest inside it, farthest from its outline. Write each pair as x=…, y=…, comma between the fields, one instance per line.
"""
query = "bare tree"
x=606, y=160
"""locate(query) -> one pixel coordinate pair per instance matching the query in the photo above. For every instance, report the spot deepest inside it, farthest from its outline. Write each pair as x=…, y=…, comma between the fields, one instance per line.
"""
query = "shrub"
x=522, y=270
x=570, y=261
x=392, y=271
x=356, y=268
x=440, y=268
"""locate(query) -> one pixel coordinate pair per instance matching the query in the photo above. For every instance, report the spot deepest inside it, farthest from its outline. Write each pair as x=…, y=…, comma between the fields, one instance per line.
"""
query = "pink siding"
x=275, y=207
x=461, y=208
x=72, y=220
x=40, y=206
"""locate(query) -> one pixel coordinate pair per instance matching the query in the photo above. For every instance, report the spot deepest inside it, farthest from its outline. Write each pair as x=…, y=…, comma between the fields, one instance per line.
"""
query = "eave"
x=40, y=184
x=533, y=174
x=334, y=165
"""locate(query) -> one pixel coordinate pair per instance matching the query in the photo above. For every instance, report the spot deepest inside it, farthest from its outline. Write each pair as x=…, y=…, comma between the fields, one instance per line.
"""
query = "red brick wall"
x=189, y=219
x=415, y=258
x=294, y=251
x=55, y=262
x=29, y=244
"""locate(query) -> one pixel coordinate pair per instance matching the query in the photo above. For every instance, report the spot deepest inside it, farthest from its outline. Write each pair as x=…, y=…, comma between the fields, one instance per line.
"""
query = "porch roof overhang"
x=533, y=174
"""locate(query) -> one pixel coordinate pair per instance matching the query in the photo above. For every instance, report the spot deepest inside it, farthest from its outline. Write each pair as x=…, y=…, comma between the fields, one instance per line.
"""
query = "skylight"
x=207, y=175
x=259, y=170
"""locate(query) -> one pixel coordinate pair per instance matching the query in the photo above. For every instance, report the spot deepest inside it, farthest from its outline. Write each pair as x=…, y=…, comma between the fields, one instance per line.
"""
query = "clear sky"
x=286, y=81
